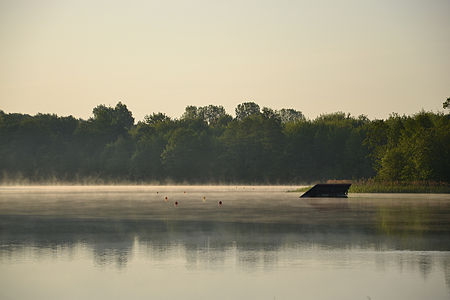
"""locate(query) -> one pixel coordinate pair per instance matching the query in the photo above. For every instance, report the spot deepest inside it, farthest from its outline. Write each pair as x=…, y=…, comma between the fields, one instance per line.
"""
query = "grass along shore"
x=371, y=186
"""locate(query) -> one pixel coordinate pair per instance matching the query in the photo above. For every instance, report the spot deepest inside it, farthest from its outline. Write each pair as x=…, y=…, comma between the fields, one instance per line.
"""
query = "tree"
x=212, y=113
x=116, y=158
x=446, y=104
x=208, y=145
x=392, y=165
x=186, y=155
x=246, y=109
x=119, y=118
x=269, y=113
x=290, y=115
x=253, y=149
x=156, y=118
x=190, y=112
x=108, y=123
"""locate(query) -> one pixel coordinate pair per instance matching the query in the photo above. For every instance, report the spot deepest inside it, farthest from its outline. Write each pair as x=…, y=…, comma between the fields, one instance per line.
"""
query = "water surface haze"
x=220, y=242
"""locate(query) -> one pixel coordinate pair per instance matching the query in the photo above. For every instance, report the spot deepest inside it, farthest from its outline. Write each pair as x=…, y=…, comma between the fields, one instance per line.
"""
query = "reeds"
x=375, y=186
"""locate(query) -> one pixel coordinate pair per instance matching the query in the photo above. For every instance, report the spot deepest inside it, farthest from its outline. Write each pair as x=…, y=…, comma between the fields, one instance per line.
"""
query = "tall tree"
x=246, y=109
x=290, y=115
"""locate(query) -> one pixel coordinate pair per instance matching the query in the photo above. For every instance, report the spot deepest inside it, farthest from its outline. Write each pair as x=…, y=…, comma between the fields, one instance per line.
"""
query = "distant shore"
x=366, y=186
x=394, y=187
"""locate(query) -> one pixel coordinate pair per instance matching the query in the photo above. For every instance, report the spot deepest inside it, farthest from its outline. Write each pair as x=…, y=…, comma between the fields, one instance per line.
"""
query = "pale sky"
x=363, y=57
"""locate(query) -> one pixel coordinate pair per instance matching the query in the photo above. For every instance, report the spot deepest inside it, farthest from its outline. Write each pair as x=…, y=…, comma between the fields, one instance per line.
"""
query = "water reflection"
x=286, y=245
x=203, y=243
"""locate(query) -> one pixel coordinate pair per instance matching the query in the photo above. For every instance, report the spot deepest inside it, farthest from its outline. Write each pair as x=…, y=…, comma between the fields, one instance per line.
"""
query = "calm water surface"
x=261, y=243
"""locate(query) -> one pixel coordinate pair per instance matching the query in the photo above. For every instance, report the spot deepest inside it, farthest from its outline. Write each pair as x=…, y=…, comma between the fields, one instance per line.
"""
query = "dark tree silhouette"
x=246, y=109
x=207, y=145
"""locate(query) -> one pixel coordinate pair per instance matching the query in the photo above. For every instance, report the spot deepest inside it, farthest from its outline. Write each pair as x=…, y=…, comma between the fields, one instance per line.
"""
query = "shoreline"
x=354, y=189
x=391, y=189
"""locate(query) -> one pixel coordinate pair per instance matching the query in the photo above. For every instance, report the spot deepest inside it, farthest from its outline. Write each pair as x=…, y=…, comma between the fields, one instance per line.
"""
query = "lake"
x=220, y=242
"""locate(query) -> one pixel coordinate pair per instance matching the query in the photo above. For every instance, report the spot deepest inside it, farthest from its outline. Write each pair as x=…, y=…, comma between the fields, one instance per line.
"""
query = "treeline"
x=208, y=145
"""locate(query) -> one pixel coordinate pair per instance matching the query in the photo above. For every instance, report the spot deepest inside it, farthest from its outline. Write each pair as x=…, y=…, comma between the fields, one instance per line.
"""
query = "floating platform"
x=329, y=190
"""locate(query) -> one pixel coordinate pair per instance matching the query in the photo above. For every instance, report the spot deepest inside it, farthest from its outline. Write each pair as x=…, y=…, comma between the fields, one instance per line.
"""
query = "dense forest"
x=207, y=145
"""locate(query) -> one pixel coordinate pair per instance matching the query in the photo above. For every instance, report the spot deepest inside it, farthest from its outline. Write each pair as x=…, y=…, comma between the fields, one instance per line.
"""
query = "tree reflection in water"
x=113, y=241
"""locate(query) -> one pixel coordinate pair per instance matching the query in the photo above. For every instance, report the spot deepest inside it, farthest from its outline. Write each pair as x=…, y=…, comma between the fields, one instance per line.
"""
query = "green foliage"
x=111, y=122
x=211, y=114
x=246, y=109
x=186, y=155
x=116, y=156
x=208, y=145
x=411, y=148
x=377, y=186
x=156, y=118
x=253, y=149
x=290, y=115
x=330, y=146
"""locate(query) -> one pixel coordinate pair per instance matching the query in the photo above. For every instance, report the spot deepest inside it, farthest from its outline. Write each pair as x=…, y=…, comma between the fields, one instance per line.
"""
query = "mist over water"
x=261, y=243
